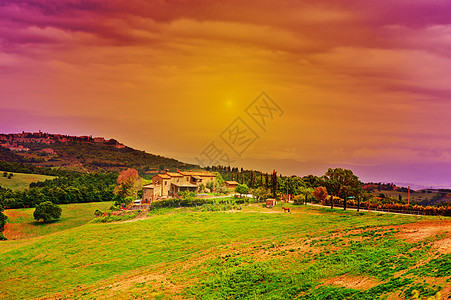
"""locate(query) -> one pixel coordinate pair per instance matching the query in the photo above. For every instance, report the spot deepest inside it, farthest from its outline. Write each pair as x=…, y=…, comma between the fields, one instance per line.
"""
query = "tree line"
x=19, y=167
x=335, y=184
x=72, y=188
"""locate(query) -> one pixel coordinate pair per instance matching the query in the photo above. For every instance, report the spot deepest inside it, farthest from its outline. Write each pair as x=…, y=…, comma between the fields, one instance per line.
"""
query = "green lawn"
x=21, y=223
x=254, y=253
x=21, y=181
x=414, y=195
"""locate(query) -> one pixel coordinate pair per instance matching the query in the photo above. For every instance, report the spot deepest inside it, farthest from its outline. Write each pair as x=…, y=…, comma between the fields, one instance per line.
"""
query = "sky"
x=296, y=86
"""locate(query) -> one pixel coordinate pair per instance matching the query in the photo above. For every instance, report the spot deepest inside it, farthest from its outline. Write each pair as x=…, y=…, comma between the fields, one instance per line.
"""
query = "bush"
x=222, y=190
x=47, y=211
x=111, y=218
x=299, y=199
x=98, y=213
x=114, y=207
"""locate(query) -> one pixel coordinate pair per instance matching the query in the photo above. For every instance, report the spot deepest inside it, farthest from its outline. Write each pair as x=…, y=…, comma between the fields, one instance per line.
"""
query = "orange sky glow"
x=362, y=84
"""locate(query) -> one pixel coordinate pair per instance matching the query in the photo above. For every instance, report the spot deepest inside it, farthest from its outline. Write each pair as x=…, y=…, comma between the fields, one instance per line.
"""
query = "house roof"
x=174, y=174
x=231, y=182
x=164, y=176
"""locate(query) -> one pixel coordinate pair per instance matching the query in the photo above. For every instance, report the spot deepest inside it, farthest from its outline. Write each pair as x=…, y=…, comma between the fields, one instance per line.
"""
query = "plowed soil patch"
x=354, y=282
x=416, y=232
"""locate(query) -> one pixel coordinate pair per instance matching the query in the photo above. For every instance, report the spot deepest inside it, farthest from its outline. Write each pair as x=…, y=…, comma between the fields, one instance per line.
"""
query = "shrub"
x=111, y=218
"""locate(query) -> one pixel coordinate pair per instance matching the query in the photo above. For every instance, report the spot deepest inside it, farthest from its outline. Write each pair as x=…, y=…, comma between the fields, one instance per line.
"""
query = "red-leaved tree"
x=320, y=193
x=128, y=182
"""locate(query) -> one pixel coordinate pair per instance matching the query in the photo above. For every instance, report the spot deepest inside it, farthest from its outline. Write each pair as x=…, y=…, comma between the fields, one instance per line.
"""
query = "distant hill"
x=83, y=154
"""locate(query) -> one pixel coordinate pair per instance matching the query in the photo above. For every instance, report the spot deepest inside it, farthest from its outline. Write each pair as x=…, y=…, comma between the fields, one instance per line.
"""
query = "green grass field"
x=21, y=181
x=414, y=195
x=21, y=223
x=253, y=253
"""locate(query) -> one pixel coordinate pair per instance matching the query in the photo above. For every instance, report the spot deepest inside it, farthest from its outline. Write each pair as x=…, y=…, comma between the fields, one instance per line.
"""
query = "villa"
x=170, y=183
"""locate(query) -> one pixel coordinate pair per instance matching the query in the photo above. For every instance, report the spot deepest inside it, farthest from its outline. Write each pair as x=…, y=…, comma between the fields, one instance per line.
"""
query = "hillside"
x=21, y=181
x=254, y=253
x=83, y=154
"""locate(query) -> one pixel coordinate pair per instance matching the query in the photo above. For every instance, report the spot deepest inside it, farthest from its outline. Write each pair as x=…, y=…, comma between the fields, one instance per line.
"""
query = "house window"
x=165, y=183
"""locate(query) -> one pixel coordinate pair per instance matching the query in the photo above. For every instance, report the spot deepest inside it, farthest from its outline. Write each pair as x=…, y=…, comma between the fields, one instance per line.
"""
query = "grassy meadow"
x=251, y=253
x=21, y=224
x=21, y=181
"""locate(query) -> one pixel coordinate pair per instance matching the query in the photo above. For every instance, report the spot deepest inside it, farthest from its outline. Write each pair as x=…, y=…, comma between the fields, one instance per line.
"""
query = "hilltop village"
x=17, y=141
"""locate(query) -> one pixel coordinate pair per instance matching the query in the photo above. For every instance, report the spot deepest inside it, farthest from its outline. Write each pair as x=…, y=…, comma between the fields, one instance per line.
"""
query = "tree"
x=128, y=182
x=252, y=179
x=219, y=178
x=47, y=211
x=291, y=185
x=320, y=193
x=261, y=193
x=305, y=195
x=341, y=183
x=3, y=219
x=242, y=189
x=267, y=180
x=274, y=183
x=312, y=181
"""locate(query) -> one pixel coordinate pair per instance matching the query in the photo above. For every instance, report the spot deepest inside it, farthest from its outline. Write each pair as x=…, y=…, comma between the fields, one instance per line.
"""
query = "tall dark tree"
x=261, y=179
x=274, y=183
x=252, y=180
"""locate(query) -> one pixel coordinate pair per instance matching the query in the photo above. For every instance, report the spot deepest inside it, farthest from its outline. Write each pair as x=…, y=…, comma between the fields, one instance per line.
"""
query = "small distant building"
x=150, y=193
x=231, y=184
x=271, y=202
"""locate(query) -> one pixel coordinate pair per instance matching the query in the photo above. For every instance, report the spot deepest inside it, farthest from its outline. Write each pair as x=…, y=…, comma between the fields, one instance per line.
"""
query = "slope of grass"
x=252, y=254
x=21, y=223
x=21, y=181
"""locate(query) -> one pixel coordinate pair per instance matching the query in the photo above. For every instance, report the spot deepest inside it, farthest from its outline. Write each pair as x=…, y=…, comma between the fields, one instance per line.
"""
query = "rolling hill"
x=84, y=154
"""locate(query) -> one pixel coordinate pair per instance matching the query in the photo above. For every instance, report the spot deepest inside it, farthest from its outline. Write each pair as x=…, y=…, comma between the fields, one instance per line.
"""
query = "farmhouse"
x=170, y=183
x=231, y=184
